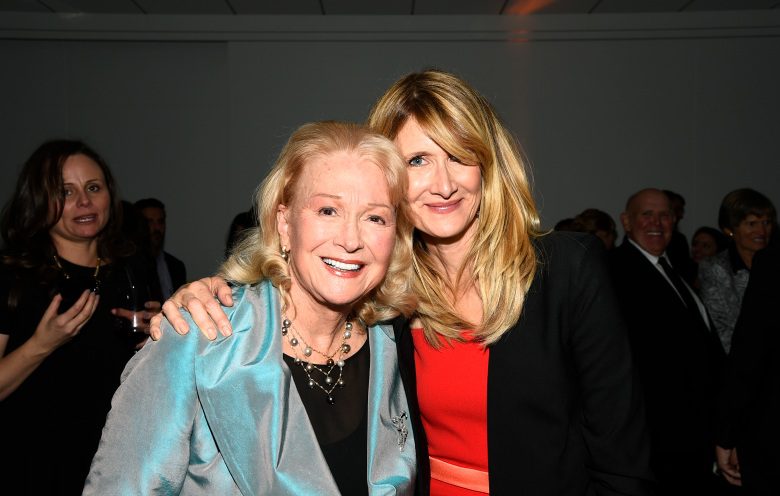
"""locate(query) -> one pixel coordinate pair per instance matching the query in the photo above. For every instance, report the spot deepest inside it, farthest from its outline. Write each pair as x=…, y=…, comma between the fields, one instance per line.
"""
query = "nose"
x=83, y=199
x=441, y=182
x=350, y=237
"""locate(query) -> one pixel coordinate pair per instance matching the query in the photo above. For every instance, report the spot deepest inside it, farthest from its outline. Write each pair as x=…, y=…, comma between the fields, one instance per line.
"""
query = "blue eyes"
x=416, y=161
x=419, y=160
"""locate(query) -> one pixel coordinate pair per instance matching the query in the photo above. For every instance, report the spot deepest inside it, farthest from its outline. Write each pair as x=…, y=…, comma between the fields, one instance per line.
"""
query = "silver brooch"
x=399, y=422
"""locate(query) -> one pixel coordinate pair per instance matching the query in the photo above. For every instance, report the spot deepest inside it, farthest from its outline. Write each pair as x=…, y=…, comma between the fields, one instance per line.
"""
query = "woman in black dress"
x=67, y=280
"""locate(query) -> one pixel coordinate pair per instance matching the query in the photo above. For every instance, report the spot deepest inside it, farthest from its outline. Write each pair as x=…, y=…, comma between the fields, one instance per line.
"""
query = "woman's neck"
x=79, y=253
x=746, y=256
x=319, y=325
x=450, y=254
x=451, y=257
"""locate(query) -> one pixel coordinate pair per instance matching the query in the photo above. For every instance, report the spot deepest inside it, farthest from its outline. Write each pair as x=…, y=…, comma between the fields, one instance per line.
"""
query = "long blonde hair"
x=502, y=257
x=258, y=254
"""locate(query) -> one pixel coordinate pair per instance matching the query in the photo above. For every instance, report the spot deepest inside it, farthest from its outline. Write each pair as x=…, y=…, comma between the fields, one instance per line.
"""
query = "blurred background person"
x=238, y=227
x=566, y=224
x=748, y=218
x=598, y=223
x=707, y=242
x=171, y=272
x=678, y=356
x=68, y=283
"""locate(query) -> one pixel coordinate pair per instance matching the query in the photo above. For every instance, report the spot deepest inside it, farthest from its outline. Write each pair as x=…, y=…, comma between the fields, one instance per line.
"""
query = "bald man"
x=678, y=356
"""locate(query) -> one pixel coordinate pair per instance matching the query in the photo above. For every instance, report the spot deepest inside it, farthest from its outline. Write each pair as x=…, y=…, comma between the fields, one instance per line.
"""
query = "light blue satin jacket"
x=223, y=417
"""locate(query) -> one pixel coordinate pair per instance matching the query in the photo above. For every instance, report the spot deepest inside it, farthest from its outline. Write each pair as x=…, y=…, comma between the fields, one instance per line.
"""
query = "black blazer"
x=679, y=361
x=565, y=414
x=749, y=406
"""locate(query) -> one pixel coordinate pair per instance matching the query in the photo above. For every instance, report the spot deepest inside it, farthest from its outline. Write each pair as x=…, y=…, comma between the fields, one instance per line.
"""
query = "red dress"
x=452, y=394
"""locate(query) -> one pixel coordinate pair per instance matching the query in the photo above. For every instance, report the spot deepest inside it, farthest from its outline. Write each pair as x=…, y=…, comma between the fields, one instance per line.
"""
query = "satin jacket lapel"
x=253, y=409
x=391, y=448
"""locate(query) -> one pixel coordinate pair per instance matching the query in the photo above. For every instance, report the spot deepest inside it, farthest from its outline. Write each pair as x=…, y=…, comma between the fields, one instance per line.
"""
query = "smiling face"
x=752, y=233
x=648, y=221
x=86, y=204
x=340, y=230
x=444, y=194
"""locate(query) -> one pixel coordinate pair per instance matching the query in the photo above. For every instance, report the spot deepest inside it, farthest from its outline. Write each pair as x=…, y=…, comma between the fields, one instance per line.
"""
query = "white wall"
x=193, y=110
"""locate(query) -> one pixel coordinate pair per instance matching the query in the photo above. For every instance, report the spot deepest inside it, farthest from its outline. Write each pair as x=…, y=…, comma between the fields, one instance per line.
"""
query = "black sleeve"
x=613, y=409
x=753, y=343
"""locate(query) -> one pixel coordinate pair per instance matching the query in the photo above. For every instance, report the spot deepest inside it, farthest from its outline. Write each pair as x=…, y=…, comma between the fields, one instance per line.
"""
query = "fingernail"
x=226, y=331
x=211, y=333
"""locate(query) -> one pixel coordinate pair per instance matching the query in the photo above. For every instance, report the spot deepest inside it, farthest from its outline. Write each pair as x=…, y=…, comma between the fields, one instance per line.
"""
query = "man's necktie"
x=681, y=288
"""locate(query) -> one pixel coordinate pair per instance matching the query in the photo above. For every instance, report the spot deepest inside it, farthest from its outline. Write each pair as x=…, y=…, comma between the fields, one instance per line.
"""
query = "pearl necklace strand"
x=329, y=383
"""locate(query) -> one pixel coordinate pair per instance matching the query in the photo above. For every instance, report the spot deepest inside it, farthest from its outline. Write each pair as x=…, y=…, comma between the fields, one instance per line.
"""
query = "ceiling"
x=379, y=7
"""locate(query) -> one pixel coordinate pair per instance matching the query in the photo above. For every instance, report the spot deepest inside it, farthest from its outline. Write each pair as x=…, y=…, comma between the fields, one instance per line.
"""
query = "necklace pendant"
x=331, y=401
x=328, y=380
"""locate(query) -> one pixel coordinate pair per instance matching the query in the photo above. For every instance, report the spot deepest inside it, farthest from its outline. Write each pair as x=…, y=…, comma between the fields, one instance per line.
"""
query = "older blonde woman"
x=516, y=361
x=305, y=397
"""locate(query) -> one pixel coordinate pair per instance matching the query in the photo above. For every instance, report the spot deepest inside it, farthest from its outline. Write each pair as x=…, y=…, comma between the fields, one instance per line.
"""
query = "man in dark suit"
x=677, y=354
x=171, y=272
x=749, y=408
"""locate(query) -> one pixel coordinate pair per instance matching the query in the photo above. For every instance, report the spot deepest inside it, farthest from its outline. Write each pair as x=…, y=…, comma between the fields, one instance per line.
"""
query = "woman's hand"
x=728, y=463
x=198, y=298
x=55, y=330
x=52, y=332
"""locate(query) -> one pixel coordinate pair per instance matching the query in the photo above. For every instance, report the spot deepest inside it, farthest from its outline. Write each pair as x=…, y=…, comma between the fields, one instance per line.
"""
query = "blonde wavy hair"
x=258, y=255
x=502, y=258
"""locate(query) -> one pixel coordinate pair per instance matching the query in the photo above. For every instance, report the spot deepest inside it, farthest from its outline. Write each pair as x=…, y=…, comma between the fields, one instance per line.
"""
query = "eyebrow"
x=66, y=183
x=337, y=197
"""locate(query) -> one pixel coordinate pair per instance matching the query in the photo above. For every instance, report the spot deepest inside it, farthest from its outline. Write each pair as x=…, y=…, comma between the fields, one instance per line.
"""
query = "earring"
x=285, y=253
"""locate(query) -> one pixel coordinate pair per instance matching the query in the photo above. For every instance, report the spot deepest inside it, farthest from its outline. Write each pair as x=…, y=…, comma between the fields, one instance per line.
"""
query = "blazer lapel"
x=253, y=408
x=391, y=446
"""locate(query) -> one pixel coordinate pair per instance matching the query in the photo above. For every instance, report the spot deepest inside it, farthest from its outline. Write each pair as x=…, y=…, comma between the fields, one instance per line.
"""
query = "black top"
x=51, y=425
x=341, y=428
